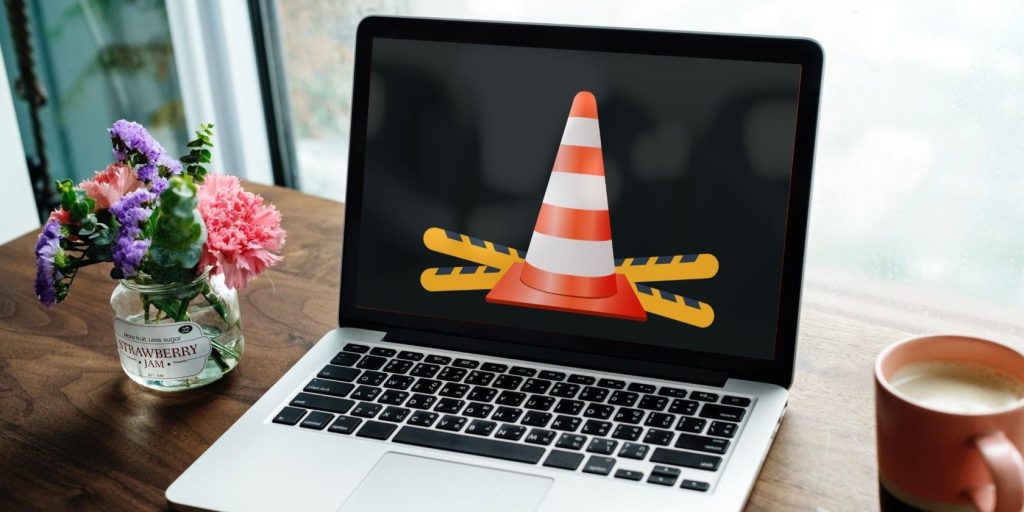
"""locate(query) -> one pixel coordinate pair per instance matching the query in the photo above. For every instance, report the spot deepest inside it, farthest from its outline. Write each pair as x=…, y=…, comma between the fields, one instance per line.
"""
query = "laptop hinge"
x=558, y=356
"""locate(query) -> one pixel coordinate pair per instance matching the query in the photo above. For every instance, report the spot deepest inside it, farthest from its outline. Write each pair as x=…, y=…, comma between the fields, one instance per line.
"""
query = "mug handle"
x=1005, y=463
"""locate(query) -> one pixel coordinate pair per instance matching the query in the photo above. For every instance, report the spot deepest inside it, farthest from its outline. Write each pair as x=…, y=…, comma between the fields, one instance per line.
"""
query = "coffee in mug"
x=957, y=386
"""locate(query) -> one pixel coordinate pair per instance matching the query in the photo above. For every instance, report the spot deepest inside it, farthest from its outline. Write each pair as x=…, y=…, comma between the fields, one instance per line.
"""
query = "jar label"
x=162, y=351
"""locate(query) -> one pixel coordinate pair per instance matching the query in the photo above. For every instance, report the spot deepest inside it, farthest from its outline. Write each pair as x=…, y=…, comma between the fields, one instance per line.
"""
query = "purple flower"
x=172, y=164
x=132, y=211
x=130, y=137
x=146, y=172
x=47, y=274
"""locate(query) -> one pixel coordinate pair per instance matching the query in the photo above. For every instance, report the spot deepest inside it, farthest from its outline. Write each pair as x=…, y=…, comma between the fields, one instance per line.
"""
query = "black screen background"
x=698, y=155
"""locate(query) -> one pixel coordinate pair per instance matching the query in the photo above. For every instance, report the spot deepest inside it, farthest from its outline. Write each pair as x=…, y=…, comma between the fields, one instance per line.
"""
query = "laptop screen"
x=626, y=197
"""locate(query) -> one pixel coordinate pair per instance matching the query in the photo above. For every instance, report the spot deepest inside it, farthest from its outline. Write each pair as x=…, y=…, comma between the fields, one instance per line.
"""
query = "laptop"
x=570, y=278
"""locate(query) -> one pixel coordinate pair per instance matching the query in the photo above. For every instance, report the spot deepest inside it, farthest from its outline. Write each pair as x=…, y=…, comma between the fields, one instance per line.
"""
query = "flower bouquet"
x=181, y=241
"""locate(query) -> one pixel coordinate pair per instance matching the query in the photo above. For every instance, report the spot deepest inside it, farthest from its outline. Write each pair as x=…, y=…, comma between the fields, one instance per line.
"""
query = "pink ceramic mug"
x=929, y=459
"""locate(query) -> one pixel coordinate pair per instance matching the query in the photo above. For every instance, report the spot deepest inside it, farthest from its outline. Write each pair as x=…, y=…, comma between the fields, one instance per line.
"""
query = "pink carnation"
x=243, y=234
x=109, y=185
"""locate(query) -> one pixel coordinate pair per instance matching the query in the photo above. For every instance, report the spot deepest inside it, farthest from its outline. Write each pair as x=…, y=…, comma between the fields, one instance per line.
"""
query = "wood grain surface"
x=76, y=434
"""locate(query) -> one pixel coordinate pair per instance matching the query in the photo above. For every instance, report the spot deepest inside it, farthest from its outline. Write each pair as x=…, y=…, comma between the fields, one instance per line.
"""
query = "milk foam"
x=957, y=387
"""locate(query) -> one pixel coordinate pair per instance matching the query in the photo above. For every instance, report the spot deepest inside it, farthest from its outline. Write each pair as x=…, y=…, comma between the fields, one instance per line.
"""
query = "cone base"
x=511, y=291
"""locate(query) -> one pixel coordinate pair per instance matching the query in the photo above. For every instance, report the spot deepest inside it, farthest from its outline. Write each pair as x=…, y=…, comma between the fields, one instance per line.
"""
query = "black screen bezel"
x=606, y=354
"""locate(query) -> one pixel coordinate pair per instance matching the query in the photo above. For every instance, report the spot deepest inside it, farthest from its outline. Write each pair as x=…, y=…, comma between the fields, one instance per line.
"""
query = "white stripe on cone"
x=582, y=131
x=573, y=190
x=562, y=256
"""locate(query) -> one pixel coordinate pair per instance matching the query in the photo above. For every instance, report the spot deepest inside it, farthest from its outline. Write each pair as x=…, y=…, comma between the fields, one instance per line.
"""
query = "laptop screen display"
x=634, y=198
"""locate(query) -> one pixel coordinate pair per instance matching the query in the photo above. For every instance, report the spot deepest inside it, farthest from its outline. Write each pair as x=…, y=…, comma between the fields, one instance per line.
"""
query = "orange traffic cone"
x=569, y=264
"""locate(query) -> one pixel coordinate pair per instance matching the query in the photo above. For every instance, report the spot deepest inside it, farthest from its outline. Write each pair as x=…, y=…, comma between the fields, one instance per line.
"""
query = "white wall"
x=16, y=199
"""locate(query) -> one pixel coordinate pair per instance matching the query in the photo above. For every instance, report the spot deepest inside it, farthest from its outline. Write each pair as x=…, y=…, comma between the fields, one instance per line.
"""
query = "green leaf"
x=178, y=233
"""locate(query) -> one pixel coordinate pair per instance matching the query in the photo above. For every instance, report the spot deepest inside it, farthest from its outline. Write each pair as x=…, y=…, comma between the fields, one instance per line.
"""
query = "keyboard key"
x=602, y=446
x=611, y=383
x=367, y=393
x=592, y=394
x=629, y=475
x=704, y=396
x=660, y=420
x=359, y=349
x=691, y=425
x=680, y=406
x=653, y=403
x=338, y=373
x=376, y=430
x=423, y=418
x=722, y=412
x=479, y=378
x=659, y=437
x=478, y=410
x=685, y=459
x=344, y=425
x=663, y=475
x=393, y=397
x=452, y=374
x=631, y=416
x=566, y=406
x=449, y=405
x=536, y=419
x=366, y=410
x=345, y=359
x=563, y=460
x=522, y=371
x=722, y=429
x=507, y=414
x=641, y=388
x=507, y=382
x=469, y=444
x=565, y=390
x=482, y=394
x=397, y=366
x=695, y=485
x=426, y=370
x=466, y=363
x=672, y=392
x=383, y=352
x=737, y=401
x=372, y=378
x=394, y=414
x=634, y=451
x=539, y=386
x=627, y=432
x=585, y=380
x=421, y=401
x=289, y=415
x=540, y=402
x=571, y=441
x=599, y=465
x=597, y=428
x=322, y=403
x=540, y=436
x=427, y=386
x=481, y=427
x=452, y=423
x=454, y=390
x=371, y=363
x=623, y=398
x=550, y=375
x=511, y=432
x=510, y=398
x=441, y=360
x=398, y=382
x=566, y=423
x=329, y=387
x=702, y=443
x=494, y=367
x=410, y=356
x=599, y=411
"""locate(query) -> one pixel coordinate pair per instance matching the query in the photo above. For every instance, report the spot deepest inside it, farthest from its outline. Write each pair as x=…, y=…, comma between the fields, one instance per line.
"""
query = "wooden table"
x=75, y=433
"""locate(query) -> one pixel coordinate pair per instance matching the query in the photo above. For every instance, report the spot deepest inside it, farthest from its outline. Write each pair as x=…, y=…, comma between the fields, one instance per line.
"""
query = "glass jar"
x=172, y=337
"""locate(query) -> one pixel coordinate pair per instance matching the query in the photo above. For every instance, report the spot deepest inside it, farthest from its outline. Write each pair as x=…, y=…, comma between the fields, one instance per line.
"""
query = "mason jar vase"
x=173, y=337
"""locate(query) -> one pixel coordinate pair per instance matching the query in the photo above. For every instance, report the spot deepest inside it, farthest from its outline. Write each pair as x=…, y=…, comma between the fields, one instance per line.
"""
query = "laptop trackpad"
x=408, y=482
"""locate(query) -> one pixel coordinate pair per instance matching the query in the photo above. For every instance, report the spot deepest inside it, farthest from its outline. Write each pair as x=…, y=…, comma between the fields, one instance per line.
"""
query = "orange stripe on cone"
x=564, y=284
x=573, y=223
x=584, y=104
x=579, y=159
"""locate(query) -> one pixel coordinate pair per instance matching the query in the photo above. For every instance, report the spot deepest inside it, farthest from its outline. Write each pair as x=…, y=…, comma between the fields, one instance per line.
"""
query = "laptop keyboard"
x=569, y=421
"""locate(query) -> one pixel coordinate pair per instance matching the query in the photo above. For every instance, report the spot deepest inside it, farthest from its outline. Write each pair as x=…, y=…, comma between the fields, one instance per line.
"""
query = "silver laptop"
x=570, y=281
